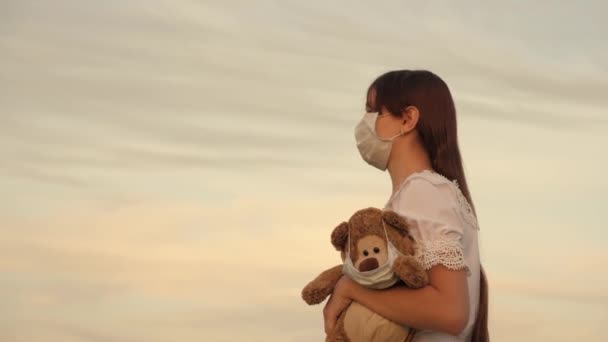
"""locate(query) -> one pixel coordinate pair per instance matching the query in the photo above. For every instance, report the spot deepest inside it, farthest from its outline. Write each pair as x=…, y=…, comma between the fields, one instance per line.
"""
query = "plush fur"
x=368, y=249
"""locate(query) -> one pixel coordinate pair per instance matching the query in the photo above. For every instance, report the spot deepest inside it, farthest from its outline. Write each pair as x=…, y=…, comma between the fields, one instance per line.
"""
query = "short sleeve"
x=432, y=214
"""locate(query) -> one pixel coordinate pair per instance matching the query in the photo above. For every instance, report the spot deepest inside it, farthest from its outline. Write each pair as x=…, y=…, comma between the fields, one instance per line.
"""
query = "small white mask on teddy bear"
x=378, y=278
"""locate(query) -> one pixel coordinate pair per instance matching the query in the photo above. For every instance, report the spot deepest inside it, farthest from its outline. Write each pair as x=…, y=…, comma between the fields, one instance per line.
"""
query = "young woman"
x=410, y=129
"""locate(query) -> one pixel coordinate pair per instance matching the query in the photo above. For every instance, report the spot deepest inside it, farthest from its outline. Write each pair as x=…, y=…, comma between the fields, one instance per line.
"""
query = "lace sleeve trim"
x=442, y=251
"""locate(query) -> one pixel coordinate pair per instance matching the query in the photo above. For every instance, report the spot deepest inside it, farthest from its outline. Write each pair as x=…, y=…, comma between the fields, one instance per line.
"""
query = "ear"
x=339, y=236
x=395, y=220
x=410, y=116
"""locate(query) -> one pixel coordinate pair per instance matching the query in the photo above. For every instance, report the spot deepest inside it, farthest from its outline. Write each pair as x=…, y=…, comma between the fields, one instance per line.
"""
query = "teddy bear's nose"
x=368, y=264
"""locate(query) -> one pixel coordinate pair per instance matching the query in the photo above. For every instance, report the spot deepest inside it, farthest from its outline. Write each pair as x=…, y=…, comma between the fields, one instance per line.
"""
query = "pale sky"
x=172, y=170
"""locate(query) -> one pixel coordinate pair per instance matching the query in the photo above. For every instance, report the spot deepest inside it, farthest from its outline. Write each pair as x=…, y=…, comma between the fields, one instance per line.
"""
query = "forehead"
x=370, y=103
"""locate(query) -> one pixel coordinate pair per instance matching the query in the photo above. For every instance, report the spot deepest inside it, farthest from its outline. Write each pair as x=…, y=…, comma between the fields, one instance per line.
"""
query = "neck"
x=405, y=163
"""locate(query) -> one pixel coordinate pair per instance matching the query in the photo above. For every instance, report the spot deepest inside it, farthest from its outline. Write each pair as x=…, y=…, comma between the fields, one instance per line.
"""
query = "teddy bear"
x=377, y=252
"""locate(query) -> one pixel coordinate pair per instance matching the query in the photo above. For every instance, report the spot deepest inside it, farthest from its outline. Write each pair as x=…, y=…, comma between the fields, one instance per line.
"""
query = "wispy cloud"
x=171, y=167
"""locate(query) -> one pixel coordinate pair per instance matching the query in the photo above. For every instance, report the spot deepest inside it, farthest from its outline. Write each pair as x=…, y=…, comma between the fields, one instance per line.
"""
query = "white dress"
x=442, y=222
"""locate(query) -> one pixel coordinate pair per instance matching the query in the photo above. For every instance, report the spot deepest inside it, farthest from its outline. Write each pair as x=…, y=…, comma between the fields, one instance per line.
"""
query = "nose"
x=368, y=264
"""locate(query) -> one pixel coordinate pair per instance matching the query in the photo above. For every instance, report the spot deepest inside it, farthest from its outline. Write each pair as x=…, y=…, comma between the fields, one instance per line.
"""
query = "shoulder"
x=429, y=193
x=429, y=205
x=429, y=176
x=425, y=189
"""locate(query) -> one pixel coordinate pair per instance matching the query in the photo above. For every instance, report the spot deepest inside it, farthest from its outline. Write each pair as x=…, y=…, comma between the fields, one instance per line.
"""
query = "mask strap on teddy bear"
x=348, y=246
x=385, y=234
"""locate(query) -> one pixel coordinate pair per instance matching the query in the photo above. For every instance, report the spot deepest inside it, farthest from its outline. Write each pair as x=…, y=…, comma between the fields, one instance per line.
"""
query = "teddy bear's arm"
x=317, y=290
x=411, y=271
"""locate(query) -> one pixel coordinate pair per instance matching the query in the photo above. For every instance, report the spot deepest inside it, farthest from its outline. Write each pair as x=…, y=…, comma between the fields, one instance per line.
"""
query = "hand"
x=338, y=302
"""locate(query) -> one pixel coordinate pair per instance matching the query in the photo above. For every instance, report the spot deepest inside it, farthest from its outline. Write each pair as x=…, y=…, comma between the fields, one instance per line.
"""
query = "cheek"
x=381, y=127
x=385, y=128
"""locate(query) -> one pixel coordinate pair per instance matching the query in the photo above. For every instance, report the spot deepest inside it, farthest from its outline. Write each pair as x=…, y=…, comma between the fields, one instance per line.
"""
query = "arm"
x=443, y=305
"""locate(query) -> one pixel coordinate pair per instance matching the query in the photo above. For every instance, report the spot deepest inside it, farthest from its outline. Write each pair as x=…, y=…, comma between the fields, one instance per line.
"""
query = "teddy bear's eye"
x=376, y=250
x=365, y=252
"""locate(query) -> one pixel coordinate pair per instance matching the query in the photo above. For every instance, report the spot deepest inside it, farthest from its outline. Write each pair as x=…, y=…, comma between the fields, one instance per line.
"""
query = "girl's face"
x=388, y=125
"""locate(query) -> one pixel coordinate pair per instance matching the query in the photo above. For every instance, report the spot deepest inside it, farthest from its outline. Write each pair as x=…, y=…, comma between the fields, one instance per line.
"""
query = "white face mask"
x=373, y=149
x=379, y=278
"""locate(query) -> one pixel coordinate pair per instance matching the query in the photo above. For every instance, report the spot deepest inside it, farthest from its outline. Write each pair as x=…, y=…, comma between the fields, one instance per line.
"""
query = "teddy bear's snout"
x=368, y=264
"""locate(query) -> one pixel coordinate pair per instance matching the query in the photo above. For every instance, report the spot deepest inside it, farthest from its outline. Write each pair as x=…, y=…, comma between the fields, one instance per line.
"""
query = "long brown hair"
x=398, y=89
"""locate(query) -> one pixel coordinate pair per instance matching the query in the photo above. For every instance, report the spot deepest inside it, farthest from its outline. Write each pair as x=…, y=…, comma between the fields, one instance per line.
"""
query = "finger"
x=327, y=305
x=330, y=323
x=329, y=315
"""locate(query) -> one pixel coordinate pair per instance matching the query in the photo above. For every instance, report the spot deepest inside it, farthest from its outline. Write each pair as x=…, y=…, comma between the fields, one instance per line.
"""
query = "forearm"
x=424, y=308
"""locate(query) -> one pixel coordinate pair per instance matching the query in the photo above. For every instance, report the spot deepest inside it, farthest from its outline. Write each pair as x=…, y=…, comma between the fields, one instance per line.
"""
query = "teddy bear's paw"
x=411, y=272
x=315, y=292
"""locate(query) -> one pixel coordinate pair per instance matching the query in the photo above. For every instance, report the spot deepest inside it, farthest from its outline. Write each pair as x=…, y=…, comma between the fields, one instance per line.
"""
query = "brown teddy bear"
x=377, y=252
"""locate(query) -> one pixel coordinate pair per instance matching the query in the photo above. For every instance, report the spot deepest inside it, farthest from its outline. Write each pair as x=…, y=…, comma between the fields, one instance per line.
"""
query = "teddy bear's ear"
x=395, y=220
x=339, y=236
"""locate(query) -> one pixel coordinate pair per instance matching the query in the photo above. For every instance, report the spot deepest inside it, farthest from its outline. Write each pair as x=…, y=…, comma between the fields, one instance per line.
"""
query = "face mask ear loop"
x=387, y=241
x=401, y=132
x=385, y=234
x=348, y=247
